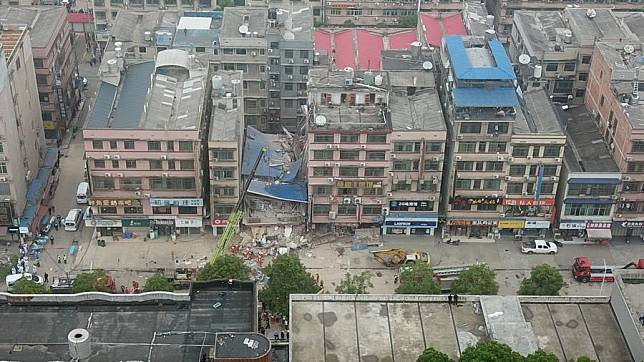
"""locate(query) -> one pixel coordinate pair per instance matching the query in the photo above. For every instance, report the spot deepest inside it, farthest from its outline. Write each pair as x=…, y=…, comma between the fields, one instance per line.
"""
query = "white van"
x=11, y=279
x=73, y=219
x=82, y=193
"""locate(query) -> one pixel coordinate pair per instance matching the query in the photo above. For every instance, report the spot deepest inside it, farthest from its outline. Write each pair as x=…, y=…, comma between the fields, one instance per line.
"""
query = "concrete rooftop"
x=227, y=124
x=255, y=19
x=131, y=25
x=399, y=327
x=351, y=117
x=42, y=21
x=540, y=30
x=540, y=116
x=603, y=26
x=421, y=112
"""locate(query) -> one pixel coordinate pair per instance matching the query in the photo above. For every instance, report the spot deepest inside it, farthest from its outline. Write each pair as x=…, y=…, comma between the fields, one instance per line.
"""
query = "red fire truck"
x=584, y=272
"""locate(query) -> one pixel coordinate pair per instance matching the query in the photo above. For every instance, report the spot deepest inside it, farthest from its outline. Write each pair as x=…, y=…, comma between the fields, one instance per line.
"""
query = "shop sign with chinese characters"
x=528, y=202
x=114, y=202
x=472, y=222
x=598, y=225
x=458, y=200
x=350, y=184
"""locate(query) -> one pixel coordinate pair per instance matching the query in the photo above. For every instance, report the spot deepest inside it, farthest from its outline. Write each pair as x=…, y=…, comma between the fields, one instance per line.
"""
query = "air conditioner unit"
x=364, y=147
x=629, y=158
x=393, y=155
x=337, y=146
x=270, y=50
x=330, y=179
x=253, y=54
x=502, y=215
x=436, y=158
x=291, y=61
x=432, y=198
x=460, y=137
x=107, y=157
x=558, y=160
x=500, y=158
x=332, y=215
x=306, y=61
x=435, y=181
x=290, y=76
x=622, y=199
x=554, y=178
x=137, y=193
x=408, y=182
x=329, y=146
x=147, y=195
x=497, y=176
x=337, y=164
x=346, y=200
x=626, y=178
x=529, y=157
x=165, y=174
x=119, y=175
x=331, y=198
x=3, y=179
x=422, y=182
x=495, y=196
x=107, y=174
x=391, y=173
x=510, y=158
x=116, y=157
x=164, y=157
x=458, y=175
x=363, y=164
x=328, y=164
x=524, y=193
x=385, y=210
x=508, y=178
x=458, y=158
x=620, y=215
x=357, y=200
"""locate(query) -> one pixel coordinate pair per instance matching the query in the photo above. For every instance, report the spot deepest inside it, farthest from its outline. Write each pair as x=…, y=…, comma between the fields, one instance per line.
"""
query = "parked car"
x=539, y=247
x=53, y=221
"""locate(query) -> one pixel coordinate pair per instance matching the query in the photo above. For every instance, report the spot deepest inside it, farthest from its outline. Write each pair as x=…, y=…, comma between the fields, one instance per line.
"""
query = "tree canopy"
x=432, y=355
x=490, y=351
x=26, y=286
x=417, y=279
x=286, y=276
x=541, y=356
x=477, y=280
x=158, y=283
x=225, y=267
x=95, y=281
x=544, y=280
x=355, y=284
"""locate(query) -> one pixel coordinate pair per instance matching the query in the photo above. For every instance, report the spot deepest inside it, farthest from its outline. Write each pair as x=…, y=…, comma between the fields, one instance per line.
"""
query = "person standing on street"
x=65, y=259
x=51, y=239
x=46, y=276
x=396, y=279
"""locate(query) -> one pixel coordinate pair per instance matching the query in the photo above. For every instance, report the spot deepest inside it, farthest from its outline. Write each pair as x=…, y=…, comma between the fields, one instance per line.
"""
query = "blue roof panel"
x=100, y=114
x=463, y=69
x=294, y=192
x=37, y=187
x=485, y=97
x=271, y=163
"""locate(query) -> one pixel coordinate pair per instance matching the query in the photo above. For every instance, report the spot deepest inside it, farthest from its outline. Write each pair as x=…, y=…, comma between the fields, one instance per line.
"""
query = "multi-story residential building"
x=559, y=47
x=382, y=13
x=22, y=142
x=613, y=98
x=143, y=144
x=499, y=154
x=140, y=34
x=225, y=145
x=504, y=10
x=590, y=181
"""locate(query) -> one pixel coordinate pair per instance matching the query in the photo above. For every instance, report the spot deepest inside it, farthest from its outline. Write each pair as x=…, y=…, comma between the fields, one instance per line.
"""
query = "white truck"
x=539, y=247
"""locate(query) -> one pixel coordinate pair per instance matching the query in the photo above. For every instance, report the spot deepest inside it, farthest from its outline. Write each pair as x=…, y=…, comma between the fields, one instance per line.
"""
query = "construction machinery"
x=396, y=257
x=237, y=213
x=585, y=272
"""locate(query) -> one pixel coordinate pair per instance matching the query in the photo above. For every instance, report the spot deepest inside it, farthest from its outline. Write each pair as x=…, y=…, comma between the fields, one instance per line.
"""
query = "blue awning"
x=594, y=181
x=485, y=97
x=280, y=191
x=588, y=201
x=37, y=187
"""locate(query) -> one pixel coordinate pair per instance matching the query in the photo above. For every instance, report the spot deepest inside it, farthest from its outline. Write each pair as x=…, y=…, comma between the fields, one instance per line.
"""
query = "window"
x=552, y=67
x=170, y=145
x=376, y=138
x=133, y=210
x=323, y=138
x=288, y=53
x=103, y=183
x=551, y=151
x=3, y=167
x=321, y=190
x=461, y=206
x=128, y=145
x=187, y=165
x=494, y=147
x=471, y=127
x=347, y=191
x=494, y=166
x=585, y=59
x=374, y=172
x=465, y=165
x=323, y=155
x=491, y=184
x=563, y=86
x=172, y=165
x=371, y=209
x=517, y=170
x=130, y=183
x=520, y=151
x=229, y=51
x=240, y=51
x=143, y=50
x=497, y=128
x=347, y=210
x=406, y=165
x=187, y=210
x=514, y=188
x=226, y=191
x=172, y=183
x=547, y=188
x=154, y=146
x=41, y=79
x=349, y=138
x=113, y=145
x=580, y=93
x=536, y=151
x=350, y=155
x=322, y=171
x=401, y=186
x=375, y=155
x=467, y=147
x=321, y=209
x=637, y=147
x=38, y=63
x=426, y=186
x=583, y=76
x=569, y=67
x=550, y=170
x=1, y=147
x=43, y=97
x=304, y=54
x=107, y=210
x=99, y=163
x=185, y=146
x=433, y=147
x=288, y=86
x=115, y=164
x=161, y=210
x=372, y=192
x=348, y=171
x=223, y=173
x=155, y=165
x=463, y=184
x=431, y=165
x=587, y=209
x=407, y=147
x=130, y=163
x=223, y=209
x=486, y=207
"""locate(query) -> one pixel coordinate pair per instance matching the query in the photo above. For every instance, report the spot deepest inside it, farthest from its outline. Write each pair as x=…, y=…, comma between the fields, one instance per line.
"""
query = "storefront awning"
x=595, y=181
x=599, y=234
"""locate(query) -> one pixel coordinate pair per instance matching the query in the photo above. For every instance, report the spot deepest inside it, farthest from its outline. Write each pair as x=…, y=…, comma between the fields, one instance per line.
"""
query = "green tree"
x=417, y=279
x=95, y=281
x=158, y=283
x=225, y=267
x=224, y=4
x=584, y=359
x=490, y=351
x=286, y=276
x=478, y=280
x=26, y=286
x=544, y=280
x=432, y=355
x=355, y=284
x=408, y=21
x=541, y=356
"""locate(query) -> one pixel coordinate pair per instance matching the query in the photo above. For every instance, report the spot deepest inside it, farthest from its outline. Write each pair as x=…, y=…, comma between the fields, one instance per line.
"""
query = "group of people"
x=452, y=299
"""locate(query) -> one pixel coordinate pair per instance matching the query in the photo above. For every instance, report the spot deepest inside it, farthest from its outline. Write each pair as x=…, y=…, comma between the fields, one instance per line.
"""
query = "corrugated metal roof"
x=463, y=68
x=485, y=97
x=132, y=95
x=280, y=191
x=100, y=114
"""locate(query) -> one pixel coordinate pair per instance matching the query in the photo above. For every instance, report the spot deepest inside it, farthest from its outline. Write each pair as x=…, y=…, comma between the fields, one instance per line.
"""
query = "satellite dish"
x=243, y=28
x=288, y=35
x=235, y=81
x=629, y=49
x=524, y=59
x=427, y=65
x=320, y=120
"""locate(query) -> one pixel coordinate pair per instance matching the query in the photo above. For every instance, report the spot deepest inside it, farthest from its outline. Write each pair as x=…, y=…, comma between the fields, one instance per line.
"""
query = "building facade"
x=22, y=142
x=143, y=153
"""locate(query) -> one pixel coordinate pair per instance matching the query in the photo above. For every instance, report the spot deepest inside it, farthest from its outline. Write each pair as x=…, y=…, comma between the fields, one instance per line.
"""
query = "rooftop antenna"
x=636, y=86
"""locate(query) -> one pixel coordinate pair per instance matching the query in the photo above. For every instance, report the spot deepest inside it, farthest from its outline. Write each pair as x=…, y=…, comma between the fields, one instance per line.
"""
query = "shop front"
x=599, y=231
x=536, y=228
x=410, y=224
x=218, y=225
x=568, y=230
x=105, y=227
x=510, y=226
x=135, y=227
x=187, y=226
x=528, y=207
x=472, y=228
x=630, y=229
x=161, y=226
